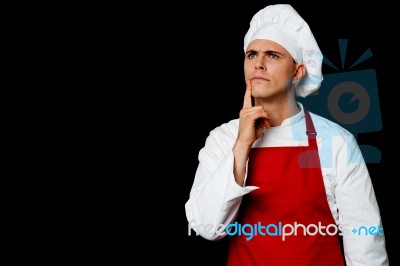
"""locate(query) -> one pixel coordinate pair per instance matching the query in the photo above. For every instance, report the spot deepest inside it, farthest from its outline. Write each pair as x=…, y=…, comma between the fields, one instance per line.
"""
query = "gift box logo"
x=350, y=98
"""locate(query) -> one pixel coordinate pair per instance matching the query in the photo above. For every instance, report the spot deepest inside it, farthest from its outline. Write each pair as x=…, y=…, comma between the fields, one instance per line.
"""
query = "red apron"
x=291, y=190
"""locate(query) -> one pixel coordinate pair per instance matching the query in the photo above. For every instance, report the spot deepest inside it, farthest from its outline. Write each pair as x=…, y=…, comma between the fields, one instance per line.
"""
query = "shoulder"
x=227, y=129
x=223, y=135
x=324, y=125
x=328, y=129
x=333, y=140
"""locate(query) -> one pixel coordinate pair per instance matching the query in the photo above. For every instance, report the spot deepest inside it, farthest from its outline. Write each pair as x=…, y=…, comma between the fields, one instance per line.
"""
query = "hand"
x=252, y=120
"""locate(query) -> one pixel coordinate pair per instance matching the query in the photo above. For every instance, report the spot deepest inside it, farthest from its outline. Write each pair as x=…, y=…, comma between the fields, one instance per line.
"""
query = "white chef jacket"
x=215, y=197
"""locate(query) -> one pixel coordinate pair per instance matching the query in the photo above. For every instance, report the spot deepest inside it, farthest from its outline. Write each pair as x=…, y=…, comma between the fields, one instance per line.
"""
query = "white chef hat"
x=282, y=24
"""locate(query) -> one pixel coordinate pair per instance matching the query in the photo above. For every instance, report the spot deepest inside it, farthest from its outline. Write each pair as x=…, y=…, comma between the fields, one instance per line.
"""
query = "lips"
x=259, y=78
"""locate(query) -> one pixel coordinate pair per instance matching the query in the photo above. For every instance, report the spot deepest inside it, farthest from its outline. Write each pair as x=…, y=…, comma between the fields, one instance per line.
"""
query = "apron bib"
x=291, y=191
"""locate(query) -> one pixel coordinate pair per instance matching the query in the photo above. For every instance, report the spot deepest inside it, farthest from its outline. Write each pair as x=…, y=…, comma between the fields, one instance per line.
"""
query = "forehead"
x=266, y=45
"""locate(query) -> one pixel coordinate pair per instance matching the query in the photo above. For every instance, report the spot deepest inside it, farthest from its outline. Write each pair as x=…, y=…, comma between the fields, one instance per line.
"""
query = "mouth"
x=259, y=78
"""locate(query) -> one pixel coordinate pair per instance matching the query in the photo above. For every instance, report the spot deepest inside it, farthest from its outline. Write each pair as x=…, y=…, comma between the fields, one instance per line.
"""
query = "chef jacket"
x=215, y=197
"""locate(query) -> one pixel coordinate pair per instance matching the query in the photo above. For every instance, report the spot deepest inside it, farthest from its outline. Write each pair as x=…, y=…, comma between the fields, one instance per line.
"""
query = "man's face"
x=270, y=68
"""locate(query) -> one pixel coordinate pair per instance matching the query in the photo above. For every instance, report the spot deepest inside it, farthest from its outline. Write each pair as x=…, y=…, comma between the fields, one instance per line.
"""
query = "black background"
x=190, y=80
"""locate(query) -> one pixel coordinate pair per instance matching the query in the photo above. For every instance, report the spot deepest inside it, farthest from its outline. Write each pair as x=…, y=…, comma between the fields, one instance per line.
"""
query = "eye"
x=272, y=56
x=251, y=55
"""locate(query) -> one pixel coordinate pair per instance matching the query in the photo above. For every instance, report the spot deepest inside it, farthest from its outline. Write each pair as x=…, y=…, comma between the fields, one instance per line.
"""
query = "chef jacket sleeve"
x=215, y=197
x=359, y=215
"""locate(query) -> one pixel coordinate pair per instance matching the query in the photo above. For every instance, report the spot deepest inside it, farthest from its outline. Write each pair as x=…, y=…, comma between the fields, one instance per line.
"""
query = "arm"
x=358, y=209
x=215, y=197
x=218, y=189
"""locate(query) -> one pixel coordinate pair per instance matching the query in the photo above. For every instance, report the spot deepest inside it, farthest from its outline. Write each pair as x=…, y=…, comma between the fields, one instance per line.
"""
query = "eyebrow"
x=265, y=52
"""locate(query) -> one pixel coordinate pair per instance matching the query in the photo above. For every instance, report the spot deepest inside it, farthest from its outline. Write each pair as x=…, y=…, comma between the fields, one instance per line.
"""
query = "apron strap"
x=310, y=129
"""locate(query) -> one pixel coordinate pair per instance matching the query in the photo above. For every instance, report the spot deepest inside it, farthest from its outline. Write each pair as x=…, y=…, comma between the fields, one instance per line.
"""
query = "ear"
x=300, y=71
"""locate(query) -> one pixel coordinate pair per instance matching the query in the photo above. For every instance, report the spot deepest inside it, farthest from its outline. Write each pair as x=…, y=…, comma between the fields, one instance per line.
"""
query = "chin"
x=259, y=91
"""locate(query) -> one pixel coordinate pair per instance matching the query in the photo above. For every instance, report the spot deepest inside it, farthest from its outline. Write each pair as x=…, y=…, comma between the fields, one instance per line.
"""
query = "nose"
x=260, y=64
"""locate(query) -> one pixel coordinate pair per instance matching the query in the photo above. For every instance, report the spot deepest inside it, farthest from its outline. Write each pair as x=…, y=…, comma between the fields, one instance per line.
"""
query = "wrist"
x=241, y=147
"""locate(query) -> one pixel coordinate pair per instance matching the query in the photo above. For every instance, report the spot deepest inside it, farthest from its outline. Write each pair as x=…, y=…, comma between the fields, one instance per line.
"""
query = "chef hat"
x=282, y=24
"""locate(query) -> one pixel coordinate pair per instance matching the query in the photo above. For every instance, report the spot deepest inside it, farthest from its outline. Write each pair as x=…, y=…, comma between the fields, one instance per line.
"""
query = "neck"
x=278, y=110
